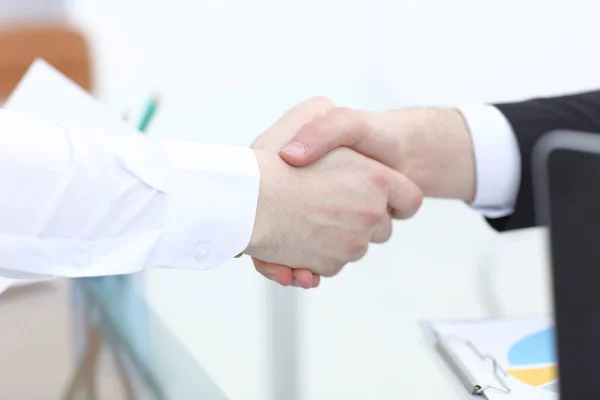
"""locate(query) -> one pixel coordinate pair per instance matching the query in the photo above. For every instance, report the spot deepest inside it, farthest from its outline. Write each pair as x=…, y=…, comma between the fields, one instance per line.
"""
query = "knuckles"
x=351, y=249
x=333, y=268
x=357, y=248
x=378, y=177
x=371, y=216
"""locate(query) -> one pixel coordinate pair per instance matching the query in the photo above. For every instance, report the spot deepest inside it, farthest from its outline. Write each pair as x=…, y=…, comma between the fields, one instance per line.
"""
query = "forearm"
x=437, y=152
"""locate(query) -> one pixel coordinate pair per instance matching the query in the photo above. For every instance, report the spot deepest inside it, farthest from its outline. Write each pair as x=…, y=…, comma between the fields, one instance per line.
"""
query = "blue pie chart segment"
x=534, y=349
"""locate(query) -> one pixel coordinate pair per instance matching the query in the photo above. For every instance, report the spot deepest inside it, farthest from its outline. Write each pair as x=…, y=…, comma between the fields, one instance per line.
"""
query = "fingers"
x=286, y=276
x=302, y=278
x=339, y=127
x=405, y=198
x=278, y=273
x=383, y=231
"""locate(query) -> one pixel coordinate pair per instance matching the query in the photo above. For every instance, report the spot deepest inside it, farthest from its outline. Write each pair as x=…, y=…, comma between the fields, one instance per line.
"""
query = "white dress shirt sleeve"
x=79, y=203
x=497, y=160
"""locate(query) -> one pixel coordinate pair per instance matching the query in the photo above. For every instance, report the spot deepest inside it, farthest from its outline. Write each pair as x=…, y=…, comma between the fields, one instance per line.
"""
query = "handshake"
x=334, y=187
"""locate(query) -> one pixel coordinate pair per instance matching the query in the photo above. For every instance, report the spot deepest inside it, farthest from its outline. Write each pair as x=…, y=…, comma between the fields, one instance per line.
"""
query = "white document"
x=44, y=93
x=523, y=348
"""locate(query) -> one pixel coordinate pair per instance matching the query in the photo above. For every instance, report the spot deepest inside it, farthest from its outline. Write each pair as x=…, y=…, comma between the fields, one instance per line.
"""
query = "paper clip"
x=466, y=377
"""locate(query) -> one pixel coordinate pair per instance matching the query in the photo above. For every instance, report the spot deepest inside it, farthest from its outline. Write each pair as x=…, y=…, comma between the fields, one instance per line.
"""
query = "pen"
x=149, y=112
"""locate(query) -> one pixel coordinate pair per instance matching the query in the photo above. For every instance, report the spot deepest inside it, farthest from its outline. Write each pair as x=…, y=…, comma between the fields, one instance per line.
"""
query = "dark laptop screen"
x=574, y=188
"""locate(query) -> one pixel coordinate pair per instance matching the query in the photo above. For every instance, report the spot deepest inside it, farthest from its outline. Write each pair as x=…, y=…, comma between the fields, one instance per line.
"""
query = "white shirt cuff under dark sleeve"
x=497, y=160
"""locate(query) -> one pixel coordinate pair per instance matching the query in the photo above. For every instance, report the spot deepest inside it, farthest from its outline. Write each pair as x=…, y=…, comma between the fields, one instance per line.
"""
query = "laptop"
x=566, y=175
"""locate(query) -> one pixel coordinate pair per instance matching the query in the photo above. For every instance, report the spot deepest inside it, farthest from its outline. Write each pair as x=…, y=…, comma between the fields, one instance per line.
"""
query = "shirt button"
x=201, y=252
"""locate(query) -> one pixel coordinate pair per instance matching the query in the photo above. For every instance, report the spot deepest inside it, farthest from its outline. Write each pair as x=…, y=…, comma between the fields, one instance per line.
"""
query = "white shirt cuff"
x=212, y=197
x=497, y=160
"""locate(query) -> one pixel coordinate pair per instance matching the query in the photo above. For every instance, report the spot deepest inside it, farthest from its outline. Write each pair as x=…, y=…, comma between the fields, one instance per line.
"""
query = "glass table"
x=151, y=362
x=118, y=348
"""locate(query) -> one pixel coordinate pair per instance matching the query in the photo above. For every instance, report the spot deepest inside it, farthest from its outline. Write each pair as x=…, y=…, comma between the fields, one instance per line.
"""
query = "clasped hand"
x=313, y=220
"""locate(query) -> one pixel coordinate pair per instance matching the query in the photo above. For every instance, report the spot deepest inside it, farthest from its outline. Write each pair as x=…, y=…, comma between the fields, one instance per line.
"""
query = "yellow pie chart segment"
x=535, y=376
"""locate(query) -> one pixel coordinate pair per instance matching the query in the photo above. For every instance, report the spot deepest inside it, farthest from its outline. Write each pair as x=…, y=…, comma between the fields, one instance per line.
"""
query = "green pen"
x=149, y=112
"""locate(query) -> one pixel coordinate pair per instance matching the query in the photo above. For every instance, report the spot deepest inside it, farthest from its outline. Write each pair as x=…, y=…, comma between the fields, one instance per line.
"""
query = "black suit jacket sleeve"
x=530, y=120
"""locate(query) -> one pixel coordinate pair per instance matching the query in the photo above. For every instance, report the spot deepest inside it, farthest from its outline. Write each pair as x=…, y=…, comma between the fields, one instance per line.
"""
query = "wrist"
x=259, y=238
x=438, y=153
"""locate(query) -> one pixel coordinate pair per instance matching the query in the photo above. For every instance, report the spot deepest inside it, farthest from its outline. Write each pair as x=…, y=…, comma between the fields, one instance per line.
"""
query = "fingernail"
x=295, y=148
x=295, y=283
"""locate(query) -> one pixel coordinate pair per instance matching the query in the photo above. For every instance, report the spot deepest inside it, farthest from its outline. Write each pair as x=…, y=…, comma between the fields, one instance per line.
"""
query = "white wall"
x=227, y=68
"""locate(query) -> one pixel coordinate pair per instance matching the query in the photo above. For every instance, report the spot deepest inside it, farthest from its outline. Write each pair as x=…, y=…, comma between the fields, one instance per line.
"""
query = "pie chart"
x=533, y=360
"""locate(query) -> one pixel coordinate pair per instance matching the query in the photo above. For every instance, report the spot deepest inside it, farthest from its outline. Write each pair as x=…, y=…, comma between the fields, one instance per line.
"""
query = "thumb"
x=339, y=127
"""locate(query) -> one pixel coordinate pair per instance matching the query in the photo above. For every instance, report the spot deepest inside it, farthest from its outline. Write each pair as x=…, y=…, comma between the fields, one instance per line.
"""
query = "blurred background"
x=225, y=70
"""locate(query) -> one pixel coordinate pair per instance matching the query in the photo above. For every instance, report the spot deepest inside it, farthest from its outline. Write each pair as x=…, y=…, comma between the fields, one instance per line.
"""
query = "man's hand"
x=322, y=216
x=432, y=147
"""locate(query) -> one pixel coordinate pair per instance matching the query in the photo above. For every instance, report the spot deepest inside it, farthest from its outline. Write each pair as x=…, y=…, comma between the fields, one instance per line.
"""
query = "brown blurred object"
x=61, y=46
